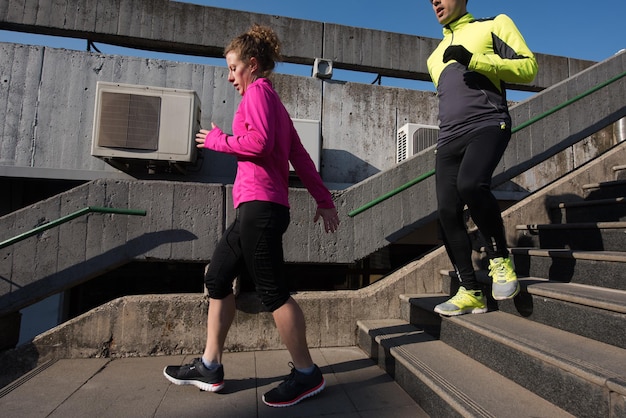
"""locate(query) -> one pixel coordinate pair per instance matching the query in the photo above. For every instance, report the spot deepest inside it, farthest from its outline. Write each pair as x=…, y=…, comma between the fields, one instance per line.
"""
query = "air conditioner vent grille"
x=130, y=121
x=413, y=138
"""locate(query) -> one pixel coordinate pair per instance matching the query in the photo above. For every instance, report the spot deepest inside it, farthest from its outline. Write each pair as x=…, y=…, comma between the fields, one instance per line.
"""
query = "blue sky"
x=573, y=28
x=584, y=30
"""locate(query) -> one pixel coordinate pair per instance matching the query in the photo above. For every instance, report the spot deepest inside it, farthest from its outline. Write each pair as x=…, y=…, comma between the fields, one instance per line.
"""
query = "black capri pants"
x=253, y=242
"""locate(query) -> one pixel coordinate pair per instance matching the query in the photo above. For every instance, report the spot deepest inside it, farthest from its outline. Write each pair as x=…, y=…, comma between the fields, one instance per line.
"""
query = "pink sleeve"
x=306, y=171
x=251, y=136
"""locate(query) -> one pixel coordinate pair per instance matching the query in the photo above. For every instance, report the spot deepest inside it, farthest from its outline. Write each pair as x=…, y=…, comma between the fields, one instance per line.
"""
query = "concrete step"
x=605, y=189
x=576, y=373
x=590, y=236
x=620, y=172
x=589, y=311
x=600, y=210
x=598, y=268
x=443, y=380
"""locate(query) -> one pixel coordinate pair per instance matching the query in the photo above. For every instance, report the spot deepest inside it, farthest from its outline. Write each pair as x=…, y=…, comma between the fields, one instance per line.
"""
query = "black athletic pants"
x=463, y=171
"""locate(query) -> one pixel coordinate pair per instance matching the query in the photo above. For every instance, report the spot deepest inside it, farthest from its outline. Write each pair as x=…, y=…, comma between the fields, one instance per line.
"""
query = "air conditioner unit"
x=309, y=132
x=413, y=138
x=134, y=123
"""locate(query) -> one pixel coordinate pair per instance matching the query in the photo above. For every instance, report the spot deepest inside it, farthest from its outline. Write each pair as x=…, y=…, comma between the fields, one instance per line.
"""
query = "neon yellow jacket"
x=474, y=97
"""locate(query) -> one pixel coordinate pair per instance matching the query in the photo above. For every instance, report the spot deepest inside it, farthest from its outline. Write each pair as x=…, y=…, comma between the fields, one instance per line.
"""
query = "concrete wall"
x=47, y=106
x=47, y=95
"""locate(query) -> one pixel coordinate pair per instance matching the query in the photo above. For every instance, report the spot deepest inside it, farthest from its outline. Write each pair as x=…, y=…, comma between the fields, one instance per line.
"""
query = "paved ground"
x=135, y=387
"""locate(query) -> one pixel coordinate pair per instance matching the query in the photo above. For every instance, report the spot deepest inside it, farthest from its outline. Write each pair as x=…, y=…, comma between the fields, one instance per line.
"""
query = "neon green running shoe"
x=505, y=284
x=465, y=301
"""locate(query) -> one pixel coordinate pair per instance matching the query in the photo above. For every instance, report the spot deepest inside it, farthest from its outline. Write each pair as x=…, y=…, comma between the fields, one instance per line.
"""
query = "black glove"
x=457, y=53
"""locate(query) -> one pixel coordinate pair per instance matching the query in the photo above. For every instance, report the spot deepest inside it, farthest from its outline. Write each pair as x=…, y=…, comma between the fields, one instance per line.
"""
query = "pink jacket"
x=264, y=141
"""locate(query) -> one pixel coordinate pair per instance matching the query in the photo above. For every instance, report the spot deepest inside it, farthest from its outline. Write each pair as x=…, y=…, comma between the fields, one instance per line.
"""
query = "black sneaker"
x=296, y=387
x=196, y=374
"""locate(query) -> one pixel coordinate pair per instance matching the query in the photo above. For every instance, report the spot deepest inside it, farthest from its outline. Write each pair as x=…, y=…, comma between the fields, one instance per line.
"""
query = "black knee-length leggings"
x=463, y=171
x=254, y=242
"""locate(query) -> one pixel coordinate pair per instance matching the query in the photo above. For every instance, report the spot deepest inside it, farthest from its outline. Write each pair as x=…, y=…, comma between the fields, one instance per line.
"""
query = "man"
x=470, y=68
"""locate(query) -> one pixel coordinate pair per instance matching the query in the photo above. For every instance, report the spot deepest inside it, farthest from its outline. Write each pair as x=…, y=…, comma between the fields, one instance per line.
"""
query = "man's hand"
x=457, y=53
x=330, y=217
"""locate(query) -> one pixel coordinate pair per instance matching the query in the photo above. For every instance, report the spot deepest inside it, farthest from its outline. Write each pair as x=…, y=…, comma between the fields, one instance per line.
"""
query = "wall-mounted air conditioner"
x=134, y=123
x=310, y=134
x=413, y=138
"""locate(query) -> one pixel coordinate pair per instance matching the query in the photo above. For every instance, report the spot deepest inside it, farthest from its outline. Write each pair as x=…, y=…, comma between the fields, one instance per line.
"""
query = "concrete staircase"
x=559, y=348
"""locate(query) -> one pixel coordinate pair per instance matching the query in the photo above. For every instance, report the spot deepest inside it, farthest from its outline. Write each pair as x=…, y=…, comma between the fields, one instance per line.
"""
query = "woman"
x=264, y=141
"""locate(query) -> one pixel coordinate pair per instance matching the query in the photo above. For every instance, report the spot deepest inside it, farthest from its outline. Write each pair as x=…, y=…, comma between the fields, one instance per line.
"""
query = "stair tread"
x=590, y=203
x=587, y=358
x=594, y=296
x=478, y=392
x=608, y=183
x=576, y=225
x=613, y=300
x=567, y=253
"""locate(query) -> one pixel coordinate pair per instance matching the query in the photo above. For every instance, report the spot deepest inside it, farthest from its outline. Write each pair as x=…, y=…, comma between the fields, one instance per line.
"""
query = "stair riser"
x=376, y=352
x=602, y=213
x=575, y=239
x=597, y=324
x=566, y=390
x=605, y=192
x=425, y=396
x=424, y=319
x=608, y=274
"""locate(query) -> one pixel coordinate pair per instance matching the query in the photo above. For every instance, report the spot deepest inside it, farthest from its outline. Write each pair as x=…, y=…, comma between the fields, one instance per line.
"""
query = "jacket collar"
x=458, y=24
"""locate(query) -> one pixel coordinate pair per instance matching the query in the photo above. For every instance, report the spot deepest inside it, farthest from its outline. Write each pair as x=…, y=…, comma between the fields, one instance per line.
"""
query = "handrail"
x=67, y=218
x=513, y=130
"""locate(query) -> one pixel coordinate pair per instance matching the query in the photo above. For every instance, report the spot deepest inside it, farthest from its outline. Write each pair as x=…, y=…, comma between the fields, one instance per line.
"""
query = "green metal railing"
x=513, y=130
x=67, y=218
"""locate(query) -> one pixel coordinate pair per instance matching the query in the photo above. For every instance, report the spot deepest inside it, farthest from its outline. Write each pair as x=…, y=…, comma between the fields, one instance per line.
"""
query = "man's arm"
x=512, y=60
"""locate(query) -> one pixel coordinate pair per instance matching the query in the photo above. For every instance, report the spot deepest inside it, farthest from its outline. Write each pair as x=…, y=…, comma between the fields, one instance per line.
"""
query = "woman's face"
x=240, y=74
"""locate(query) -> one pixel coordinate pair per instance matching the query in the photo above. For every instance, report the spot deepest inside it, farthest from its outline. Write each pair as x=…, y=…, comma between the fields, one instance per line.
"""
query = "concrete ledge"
x=176, y=324
x=171, y=26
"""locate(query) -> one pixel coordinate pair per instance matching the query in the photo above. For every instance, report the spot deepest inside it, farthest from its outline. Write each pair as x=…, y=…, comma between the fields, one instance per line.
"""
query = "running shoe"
x=505, y=284
x=196, y=374
x=296, y=387
x=465, y=301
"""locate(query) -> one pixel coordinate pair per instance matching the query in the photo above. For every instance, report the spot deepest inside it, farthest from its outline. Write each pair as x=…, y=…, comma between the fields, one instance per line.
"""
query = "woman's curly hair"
x=260, y=42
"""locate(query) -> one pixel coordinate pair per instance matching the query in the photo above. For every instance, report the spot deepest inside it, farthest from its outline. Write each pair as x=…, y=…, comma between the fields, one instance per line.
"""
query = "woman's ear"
x=253, y=63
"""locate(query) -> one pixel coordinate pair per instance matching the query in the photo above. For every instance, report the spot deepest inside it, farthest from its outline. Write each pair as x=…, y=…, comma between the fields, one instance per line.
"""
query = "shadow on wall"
x=340, y=166
x=87, y=269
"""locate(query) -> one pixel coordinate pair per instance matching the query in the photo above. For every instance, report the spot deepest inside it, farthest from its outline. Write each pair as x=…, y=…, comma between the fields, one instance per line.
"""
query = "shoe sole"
x=207, y=387
x=511, y=296
x=462, y=311
x=305, y=395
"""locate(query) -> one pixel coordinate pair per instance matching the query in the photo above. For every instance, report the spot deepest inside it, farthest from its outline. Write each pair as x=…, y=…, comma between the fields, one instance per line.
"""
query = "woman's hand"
x=330, y=217
x=201, y=136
